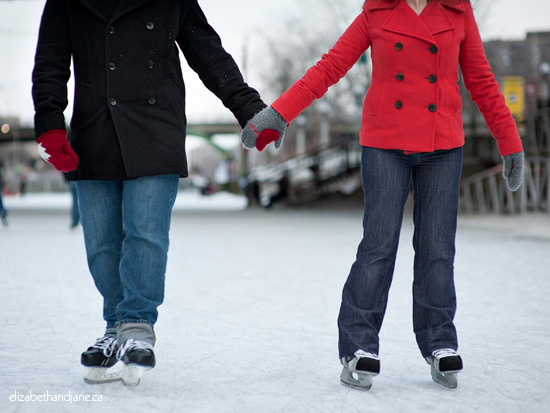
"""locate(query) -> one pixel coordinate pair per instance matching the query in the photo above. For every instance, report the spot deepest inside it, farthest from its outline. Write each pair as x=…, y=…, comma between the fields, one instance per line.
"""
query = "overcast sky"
x=237, y=21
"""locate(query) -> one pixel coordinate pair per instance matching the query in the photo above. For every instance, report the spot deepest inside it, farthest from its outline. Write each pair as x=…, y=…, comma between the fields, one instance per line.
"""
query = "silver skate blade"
x=356, y=380
x=132, y=373
x=100, y=375
x=445, y=379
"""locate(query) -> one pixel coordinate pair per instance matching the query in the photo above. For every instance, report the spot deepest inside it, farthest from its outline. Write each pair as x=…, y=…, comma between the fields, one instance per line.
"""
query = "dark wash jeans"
x=386, y=180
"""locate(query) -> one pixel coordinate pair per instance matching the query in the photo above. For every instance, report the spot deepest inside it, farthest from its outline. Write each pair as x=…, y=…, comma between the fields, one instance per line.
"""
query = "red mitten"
x=265, y=138
x=55, y=149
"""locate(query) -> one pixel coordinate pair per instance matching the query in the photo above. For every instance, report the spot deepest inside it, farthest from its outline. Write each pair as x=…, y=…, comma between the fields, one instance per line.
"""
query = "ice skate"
x=98, y=359
x=359, y=370
x=138, y=357
x=445, y=364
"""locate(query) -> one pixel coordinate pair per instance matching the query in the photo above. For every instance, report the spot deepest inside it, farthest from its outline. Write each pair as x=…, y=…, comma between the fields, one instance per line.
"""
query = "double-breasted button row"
x=151, y=101
x=432, y=107
x=148, y=25
x=433, y=48
x=401, y=76
x=111, y=66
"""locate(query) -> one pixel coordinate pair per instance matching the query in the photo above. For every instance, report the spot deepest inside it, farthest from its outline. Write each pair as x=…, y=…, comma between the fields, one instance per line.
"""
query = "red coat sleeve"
x=485, y=91
x=326, y=72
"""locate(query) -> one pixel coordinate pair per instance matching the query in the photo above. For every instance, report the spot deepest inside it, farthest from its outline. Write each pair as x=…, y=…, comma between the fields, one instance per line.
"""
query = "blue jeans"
x=386, y=180
x=75, y=216
x=126, y=226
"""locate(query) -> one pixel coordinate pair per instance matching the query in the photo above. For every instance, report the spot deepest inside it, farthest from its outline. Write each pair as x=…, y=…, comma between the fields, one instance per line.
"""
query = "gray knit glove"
x=265, y=127
x=513, y=170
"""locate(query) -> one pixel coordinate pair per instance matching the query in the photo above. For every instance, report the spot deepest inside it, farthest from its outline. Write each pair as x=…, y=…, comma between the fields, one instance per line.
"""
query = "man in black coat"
x=126, y=147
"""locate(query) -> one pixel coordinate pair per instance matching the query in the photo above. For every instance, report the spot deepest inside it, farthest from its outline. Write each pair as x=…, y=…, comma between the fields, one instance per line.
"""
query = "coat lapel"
x=126, y=6
x=404, y=20
x=123, y=7
x=89, y=4
x=437, y=19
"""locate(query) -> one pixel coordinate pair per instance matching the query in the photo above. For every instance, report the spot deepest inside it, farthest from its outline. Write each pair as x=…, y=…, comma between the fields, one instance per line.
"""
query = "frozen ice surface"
x=249, y=319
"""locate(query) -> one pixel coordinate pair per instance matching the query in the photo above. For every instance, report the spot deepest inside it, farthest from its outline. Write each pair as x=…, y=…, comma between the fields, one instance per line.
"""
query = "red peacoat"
x=413, y=102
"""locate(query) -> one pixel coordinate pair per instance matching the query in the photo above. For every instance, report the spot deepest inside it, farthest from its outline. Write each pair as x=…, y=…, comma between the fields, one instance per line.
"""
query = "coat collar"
x=390, y=4
x=123, y=7
x=403, y=20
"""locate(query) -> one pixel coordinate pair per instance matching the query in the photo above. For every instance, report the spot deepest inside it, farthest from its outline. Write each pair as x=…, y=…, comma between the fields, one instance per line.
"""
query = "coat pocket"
x=82, y=107
x=373, y=103
x=450, y=98
x=176, y=97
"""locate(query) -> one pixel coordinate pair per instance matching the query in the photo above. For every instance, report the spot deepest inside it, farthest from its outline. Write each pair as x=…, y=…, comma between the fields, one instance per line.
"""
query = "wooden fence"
x=486, y=192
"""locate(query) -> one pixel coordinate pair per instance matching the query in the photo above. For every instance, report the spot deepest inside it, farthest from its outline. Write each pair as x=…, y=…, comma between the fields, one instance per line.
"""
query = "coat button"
x=400, y=76
x=398, y=104
x=432, y=78
x=112, y=101
x=150, y=64
x=111, y=30
x=399, y=46
x=150, y=25
x=152, y=100
x=111, y=66
x=432, y=107
x=433, y=49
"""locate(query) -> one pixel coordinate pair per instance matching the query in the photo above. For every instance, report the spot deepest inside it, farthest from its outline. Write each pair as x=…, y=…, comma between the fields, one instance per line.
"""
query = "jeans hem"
x=121, y=323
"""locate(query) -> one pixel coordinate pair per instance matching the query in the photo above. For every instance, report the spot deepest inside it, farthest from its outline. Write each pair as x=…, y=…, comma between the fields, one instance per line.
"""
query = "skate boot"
x=359, y=370
x=98, y=359
x=138, y=357
x=445, y=363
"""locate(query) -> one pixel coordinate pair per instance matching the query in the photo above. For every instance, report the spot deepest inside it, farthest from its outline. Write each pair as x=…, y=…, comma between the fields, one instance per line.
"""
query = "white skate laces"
x=444, y=352
x=132, y=344
x=351, y=362
x=107, y=344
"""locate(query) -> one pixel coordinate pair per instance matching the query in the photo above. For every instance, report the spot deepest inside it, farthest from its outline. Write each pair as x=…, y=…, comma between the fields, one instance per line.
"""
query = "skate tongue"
x=444, y=352
x=363, y=353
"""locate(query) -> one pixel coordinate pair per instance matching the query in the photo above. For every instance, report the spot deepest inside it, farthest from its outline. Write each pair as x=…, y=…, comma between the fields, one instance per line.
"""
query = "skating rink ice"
x=249, y=319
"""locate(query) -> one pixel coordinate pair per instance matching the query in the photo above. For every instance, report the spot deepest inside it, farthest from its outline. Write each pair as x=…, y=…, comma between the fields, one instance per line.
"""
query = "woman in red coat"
x=411, y=130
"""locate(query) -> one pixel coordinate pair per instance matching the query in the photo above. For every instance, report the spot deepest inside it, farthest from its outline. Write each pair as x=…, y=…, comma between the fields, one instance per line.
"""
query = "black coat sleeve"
x=203, y=50
x=51, y=68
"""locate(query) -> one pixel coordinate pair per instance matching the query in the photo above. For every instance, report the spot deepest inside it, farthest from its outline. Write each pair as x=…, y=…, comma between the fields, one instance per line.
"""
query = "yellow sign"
x=513, y=89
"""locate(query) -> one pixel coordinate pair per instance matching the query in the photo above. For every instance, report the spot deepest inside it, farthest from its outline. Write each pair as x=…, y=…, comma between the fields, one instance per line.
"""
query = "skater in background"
x=3, y=212
x=126, y=149
x=75, y=215
x=411, y=131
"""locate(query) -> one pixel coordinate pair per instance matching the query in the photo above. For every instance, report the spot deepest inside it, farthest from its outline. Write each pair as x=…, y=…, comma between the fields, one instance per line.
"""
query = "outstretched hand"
x=513, y=170
x=265, y=127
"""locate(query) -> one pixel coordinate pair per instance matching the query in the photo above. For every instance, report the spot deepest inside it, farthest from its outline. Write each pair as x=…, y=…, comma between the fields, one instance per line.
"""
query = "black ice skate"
x=359, y=370
x=445, y=364
x=98, y=359
x=138, y=357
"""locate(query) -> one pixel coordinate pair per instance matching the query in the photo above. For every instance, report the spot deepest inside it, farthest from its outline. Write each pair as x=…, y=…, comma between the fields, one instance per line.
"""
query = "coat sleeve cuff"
x=508, y=139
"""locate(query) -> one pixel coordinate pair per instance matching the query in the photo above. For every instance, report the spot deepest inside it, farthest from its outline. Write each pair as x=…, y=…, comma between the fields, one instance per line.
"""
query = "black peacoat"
x=129, y=105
